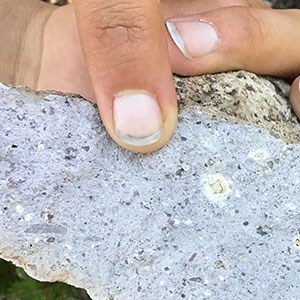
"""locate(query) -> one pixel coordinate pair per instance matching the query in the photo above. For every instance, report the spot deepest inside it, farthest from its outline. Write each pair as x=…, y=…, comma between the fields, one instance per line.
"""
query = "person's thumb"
x=260, y=40
x=125, y=49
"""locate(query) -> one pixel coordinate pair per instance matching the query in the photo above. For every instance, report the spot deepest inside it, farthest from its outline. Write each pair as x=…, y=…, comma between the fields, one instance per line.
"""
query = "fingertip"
x=138, y=120
x=139, y=143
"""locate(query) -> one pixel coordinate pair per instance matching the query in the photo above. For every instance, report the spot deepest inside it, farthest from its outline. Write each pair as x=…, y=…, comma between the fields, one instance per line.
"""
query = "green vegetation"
x=15, y=284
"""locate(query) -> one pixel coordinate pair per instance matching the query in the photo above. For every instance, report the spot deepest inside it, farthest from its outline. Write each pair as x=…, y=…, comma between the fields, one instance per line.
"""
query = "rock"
x=242, y=97
x=213, y=215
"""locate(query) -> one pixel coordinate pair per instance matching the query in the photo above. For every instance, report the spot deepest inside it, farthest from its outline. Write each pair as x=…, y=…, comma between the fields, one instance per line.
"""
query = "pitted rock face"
x=242, y=97
x=213, y=215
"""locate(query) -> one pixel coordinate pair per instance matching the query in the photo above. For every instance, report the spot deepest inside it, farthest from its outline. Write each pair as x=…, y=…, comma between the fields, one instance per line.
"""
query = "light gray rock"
x=213, y=215
x=242, y=97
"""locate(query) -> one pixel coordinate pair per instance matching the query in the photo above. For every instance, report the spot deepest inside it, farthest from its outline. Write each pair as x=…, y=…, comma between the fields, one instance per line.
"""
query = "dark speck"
x=14, y=146
x=232, y=93
x=219, y=264
x=67, y=103
x=240, y=75
x=249, y=88
x=196, y=279
x=86, y=148
x=47, y=216
x=260, y=231
x=246, y=223
x=136, y=193
x=71, y=153
x=179, y=172
x=50, y=239
x=193, y=257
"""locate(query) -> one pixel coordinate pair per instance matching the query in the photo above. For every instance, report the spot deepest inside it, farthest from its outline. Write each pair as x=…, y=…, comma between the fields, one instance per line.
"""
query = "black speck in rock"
x=179, y=172
x=67, y=103
x=196, y=279
x=86, y=148
x=71, y=153
x=260, y=231
x=50, y=239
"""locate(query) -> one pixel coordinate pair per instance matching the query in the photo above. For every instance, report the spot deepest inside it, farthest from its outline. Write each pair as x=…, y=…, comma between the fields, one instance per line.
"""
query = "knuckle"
x=117, y=24
x=253, y=28
x=251, y=34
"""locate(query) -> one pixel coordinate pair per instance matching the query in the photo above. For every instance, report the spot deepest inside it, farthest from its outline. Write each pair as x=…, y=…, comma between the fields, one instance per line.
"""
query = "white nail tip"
x=140, y=142
x=176, y=38
x=137, y=118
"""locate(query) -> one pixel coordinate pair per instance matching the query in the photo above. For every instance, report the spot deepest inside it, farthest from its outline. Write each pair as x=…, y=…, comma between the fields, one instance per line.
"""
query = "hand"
x=125, y=50
x=125, y=53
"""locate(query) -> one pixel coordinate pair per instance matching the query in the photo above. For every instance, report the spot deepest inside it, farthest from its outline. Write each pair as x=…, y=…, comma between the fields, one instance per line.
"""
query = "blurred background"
x=15, y=284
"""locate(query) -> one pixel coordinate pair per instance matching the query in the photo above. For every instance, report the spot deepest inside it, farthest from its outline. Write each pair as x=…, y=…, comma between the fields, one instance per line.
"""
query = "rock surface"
x=214, y=215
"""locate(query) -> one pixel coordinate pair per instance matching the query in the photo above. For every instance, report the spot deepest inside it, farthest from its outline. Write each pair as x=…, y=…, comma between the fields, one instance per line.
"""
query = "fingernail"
x=137, y=117
x=193, y=38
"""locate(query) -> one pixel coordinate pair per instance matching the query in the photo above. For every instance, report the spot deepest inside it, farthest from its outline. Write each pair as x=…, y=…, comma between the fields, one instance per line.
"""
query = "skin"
x=113, y=45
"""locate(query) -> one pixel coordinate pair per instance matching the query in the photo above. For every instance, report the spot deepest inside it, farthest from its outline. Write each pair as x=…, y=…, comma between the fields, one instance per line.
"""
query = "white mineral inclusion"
x=216, y=188
x=259, y=154
x=188, y=222
x=19, y=208
x=41, y=146
x=291, y=206
x=28, y=217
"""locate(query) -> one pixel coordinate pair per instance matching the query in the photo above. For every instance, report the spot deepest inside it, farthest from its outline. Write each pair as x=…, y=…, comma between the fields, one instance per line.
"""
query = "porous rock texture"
x=213, y=215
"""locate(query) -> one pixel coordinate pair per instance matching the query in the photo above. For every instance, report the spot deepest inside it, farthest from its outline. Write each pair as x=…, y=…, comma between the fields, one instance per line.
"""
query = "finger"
x=173, y=8
x=295, y=96
x=259, y=40
x=126, y=53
